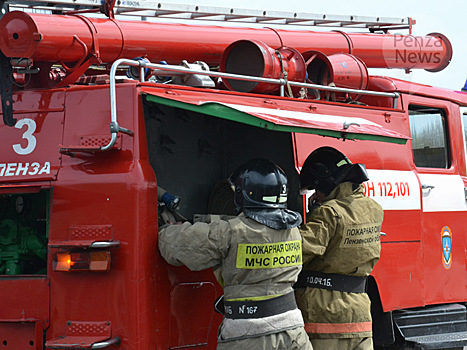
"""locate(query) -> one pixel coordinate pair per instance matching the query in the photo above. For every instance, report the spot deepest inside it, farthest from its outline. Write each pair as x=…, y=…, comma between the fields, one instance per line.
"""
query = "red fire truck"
x=187, y=102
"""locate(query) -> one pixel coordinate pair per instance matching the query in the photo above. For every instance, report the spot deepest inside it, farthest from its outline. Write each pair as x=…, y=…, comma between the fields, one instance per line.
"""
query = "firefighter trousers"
x=292, y=339
x=343, y=343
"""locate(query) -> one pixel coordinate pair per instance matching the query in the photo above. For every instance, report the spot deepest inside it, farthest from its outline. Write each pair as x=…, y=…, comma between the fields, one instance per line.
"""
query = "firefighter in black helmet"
x=341, y=245
x=259, y=257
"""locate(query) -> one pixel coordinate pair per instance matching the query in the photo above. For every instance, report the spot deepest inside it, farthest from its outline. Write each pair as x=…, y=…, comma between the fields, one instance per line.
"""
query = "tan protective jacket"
x=257, y=262
x=341, y=237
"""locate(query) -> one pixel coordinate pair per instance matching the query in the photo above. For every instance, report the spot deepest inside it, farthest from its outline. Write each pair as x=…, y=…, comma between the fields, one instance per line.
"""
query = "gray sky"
x=448, y=17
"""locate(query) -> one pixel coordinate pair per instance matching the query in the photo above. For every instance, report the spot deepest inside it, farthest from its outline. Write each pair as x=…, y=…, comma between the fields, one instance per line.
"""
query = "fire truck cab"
x=81, y=203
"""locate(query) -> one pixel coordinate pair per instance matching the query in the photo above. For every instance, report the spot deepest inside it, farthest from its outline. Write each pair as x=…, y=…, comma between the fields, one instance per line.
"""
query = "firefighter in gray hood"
x=341, y=245
x=259, y=256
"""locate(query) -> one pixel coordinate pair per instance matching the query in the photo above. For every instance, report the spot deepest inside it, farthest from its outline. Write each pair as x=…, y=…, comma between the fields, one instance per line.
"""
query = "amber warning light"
x=82, y=261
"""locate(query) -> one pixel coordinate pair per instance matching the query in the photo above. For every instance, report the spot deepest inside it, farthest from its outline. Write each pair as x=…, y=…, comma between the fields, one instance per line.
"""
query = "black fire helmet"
x=326, y=167
x=261, y=190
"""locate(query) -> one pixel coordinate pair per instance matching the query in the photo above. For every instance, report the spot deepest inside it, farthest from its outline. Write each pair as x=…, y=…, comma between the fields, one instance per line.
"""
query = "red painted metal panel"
x=39, y=101
x=84, y=236
x=115, y=188
x=189, y=302
x=444, y=284
x=398, y=231
x=285, y=116
x=358, y=125
x=194, y=301
x=90, y=232
x=375, y=155
x=94, y=131
x=30, y=151
x=399, y=275
x=28, y=299
x=443, y=206
x=21, y=335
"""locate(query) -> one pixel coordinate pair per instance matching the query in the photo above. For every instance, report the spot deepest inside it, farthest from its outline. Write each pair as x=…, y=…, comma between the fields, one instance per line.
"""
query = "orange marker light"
x=82, y=260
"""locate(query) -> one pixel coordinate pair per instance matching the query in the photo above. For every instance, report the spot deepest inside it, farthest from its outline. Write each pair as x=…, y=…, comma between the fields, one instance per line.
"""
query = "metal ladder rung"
x=226, y=14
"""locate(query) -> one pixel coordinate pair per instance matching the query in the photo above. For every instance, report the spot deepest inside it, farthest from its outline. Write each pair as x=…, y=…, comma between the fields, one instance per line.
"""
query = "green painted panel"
x=225, y=112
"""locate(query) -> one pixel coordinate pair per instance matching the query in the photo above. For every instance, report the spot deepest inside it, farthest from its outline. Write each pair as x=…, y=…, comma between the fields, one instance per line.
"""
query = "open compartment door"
x=272, y=118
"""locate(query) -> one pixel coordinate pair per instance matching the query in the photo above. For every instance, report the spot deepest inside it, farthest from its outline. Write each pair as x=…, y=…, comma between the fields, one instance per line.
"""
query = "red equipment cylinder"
x=318, y=67
x=344, y=70
x=57, y=38
x=255, y=58
x=349, y=71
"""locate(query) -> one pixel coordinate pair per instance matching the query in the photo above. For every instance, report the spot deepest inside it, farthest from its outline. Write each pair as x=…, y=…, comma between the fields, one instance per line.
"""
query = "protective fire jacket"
x=256, y=263
x=341, y=237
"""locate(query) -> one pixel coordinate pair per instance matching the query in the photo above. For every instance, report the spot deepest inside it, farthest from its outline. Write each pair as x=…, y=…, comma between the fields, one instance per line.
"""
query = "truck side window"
x=464, y=126
x=428, y=130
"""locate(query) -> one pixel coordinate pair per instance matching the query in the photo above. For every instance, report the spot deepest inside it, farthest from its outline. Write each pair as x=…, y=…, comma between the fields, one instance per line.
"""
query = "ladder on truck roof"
x=156, y=9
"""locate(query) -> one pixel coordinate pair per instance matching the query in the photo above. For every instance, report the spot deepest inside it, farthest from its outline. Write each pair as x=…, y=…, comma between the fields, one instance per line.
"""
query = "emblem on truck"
x=446, y=239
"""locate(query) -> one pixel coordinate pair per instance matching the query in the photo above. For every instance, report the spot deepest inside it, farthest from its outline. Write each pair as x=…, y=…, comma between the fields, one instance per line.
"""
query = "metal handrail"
x=105, y=244
x=114, y=127
x=160, y=69
x=104, y=344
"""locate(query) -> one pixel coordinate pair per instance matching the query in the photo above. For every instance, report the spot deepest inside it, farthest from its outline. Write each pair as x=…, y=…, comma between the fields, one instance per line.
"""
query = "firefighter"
x=259, y=255
x=341, y=245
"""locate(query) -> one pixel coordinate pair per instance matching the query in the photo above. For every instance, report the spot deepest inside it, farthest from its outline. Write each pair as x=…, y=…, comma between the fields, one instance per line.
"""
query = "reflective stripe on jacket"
x=256, y=262
x=341, y=237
